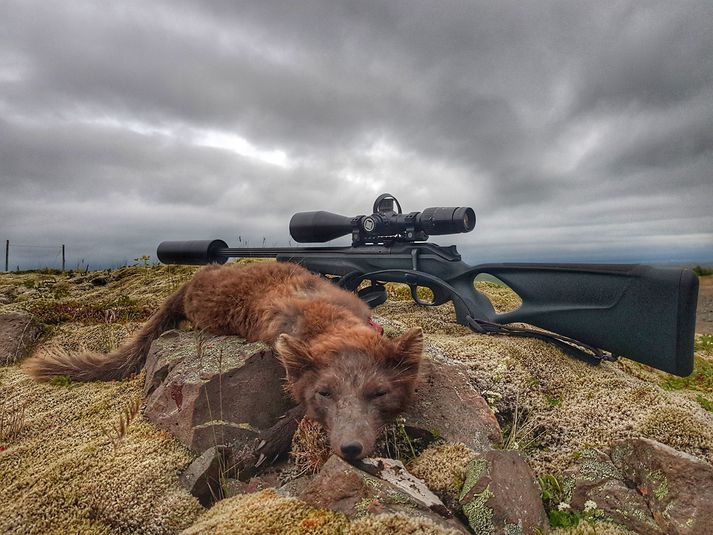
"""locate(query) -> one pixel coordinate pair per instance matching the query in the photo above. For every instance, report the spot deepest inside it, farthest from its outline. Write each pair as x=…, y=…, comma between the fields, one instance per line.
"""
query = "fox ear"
x=294, y=355
x=409, y=350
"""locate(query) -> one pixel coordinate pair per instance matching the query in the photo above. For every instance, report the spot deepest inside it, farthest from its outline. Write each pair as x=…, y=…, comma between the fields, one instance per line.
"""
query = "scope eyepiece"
x=383, y=224
x=447, y=220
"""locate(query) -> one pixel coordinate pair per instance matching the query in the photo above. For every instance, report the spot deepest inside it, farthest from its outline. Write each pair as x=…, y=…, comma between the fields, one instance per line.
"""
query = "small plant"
x=142, y=261
x=117, y=433
x=552, y=490
x=519, y=433
x=552, y=401
x=396, y=443
x=565, y=517
x=556, y=496
x=12, y=422
x=704, y=343
x=310, y=447
x=62, y=380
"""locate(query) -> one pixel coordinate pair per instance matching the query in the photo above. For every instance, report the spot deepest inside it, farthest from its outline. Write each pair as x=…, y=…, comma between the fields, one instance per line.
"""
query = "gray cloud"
x=577, y=130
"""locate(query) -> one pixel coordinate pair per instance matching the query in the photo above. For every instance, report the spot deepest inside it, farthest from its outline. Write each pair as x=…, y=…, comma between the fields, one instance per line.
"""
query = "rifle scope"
x=384, y=224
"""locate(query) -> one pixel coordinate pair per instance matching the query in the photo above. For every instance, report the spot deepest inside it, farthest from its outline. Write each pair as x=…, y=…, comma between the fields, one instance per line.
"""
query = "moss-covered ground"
x=61, y=471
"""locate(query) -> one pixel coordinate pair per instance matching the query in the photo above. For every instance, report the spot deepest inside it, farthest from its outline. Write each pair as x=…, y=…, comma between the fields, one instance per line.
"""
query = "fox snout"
x=351, y=450
x=352, y=438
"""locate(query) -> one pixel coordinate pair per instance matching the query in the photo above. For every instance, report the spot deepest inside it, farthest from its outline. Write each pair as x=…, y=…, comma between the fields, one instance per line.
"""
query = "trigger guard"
x=414, y=295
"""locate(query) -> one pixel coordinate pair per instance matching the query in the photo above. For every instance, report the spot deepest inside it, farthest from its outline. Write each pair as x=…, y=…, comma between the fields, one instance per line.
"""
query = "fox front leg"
x=276, y=441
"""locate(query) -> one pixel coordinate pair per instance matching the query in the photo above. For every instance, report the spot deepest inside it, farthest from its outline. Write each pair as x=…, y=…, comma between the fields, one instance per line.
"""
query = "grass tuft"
x=117, y=433
x=12, y=421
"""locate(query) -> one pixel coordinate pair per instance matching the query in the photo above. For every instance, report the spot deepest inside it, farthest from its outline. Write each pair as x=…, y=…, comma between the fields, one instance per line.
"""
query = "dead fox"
x=339, y=369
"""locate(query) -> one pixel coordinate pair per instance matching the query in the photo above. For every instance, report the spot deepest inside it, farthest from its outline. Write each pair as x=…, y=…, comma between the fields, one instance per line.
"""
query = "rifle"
x=594, y=312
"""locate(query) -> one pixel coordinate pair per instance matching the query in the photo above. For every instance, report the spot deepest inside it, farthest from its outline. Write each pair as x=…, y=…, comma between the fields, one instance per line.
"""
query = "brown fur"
x=339, y=369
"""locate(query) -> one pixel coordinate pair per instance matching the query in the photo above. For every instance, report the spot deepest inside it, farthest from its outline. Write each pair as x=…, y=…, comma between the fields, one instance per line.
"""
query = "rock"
x=500, y=495
x=595, y=478
x=203, y=478
x=395, y=472
x=294, y=487
x=233, y=487
x=213, y=390
x=675, y=485
x=387, y=487
x=447, y=405
x=18, y=333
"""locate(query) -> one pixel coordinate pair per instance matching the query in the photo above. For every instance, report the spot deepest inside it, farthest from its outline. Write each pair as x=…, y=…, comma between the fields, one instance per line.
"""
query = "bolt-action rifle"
x=593, y=311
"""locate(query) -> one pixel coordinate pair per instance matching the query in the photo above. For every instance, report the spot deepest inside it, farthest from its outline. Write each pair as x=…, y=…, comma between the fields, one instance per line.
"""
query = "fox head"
x=352, y=384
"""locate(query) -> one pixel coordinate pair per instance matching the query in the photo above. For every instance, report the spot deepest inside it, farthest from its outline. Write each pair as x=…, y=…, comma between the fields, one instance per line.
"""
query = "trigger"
x=373, y=295
x=414, y=294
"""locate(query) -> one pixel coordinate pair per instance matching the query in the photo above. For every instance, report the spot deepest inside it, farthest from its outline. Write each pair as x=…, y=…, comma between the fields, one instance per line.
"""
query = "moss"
x=704, y=343
x=594, y=528
x=267, y=512
x=61, y=380
x=705, y=403
x=442, y=467
x=64, y=475
x=396, y=524
x=681, y=430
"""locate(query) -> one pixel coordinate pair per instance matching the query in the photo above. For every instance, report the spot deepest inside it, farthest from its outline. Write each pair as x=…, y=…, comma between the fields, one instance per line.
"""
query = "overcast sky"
x=576, y=130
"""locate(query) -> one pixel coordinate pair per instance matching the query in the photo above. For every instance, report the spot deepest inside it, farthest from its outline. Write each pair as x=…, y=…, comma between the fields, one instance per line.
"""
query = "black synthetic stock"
x=643, y=313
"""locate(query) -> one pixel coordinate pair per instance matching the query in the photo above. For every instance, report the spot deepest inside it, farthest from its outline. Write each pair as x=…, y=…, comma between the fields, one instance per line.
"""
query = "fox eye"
x=324, y=393
x=378, y=393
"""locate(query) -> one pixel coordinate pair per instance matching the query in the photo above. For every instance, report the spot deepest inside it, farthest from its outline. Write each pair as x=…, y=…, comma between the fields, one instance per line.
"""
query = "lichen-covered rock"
x=385, y=487
x=500, y=495
x=18, y=333
x=595, y=480
x=674, y=484
x=213, y=390
x=394, y=472
x=447, y=405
